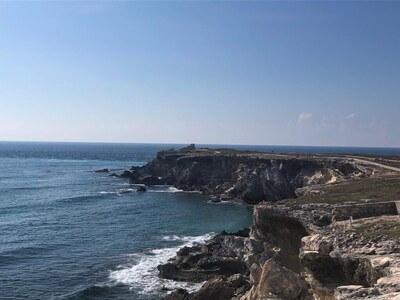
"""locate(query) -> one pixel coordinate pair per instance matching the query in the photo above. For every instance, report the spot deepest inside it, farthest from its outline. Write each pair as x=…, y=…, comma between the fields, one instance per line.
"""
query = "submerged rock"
x=141, y=188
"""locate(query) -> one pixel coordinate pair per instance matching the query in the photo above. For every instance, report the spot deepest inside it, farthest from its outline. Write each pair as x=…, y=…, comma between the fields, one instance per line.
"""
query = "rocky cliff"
x=309, y=251
x=248, y=177
x=293, y=253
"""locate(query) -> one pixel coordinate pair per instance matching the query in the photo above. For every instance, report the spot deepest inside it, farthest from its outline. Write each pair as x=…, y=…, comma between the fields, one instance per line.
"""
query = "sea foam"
x=141, y=274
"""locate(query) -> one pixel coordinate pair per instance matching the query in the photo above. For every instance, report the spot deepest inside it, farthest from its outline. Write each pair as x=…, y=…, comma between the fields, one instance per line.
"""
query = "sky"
x=261, y=73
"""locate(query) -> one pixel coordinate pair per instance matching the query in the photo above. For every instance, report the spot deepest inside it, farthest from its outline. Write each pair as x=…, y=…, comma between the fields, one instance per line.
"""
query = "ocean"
x=69, y=233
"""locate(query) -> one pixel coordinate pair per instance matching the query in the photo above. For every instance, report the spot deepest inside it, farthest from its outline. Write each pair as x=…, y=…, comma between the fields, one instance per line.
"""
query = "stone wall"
x=398, y=206
x=365, y=210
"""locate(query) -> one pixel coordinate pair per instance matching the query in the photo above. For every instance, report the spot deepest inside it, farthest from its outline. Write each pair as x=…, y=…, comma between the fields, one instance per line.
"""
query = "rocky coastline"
x=292, y=251
x=289, y=254
x=243, y=176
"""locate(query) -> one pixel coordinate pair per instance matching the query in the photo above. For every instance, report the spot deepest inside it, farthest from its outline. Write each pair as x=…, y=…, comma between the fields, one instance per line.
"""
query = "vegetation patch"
x=389, y=226
x=371, y=189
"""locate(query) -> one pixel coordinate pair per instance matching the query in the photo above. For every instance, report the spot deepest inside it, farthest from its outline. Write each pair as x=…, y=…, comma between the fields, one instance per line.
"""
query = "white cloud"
x=350, y=116
x=304, y=117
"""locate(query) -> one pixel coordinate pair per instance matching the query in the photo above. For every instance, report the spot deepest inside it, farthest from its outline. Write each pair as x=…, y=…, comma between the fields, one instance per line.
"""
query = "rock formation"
x=248, y=177
x=290, y=254
x=308, y=251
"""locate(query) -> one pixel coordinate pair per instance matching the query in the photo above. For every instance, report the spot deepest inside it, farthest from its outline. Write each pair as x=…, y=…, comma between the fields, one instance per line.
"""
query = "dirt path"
x=368, y=162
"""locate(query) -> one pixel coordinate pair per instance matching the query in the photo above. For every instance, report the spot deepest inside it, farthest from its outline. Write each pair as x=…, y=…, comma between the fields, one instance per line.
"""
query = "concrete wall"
x=365, y=210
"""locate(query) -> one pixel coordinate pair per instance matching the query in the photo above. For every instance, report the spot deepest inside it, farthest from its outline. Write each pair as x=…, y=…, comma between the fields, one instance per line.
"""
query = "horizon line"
x=181, y=143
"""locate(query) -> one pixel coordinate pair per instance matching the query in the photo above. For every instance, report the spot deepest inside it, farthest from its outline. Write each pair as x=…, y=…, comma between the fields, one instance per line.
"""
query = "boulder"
x=277, y=282
x=222, y=265
x=236, y=280
x=172, y=271
x=150, y=180
x=141, y=188
x=317, y=243
x=126, y=174
x=179, y=294
x=215, y=288
x=222, y=256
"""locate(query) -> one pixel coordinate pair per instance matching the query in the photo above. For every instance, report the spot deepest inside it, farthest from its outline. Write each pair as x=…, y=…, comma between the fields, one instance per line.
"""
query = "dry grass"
x=387, y=225
x=373, y=189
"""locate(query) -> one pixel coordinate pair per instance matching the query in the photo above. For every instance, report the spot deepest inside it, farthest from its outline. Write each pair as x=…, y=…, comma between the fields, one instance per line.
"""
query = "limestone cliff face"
x=289, y=253
x=251, y=178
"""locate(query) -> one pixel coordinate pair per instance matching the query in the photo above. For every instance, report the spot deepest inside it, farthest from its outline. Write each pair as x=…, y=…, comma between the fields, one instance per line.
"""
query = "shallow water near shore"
x=69, y=233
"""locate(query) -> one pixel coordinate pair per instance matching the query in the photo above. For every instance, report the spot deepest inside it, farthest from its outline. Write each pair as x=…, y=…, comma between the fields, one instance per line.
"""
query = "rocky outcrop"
x=141, y=188
x=264, y=260
x=344, y=264
x=309, y=251
x=216, y=288
x=297, y=252
x=278, y=282
x=222, y=256
x=251, y=178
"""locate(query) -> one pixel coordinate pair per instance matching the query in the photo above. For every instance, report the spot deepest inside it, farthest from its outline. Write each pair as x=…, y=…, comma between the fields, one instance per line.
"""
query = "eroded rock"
x=249, y=177
x=287, y=255
x=277, y=282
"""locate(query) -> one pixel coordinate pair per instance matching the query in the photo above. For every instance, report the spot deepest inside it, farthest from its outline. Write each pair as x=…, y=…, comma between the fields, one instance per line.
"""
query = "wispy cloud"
x=350, y=116
x=304, y=116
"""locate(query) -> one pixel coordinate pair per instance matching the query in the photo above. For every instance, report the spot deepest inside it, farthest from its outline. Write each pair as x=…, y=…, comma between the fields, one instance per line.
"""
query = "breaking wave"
x=164, y=189
x=152, y=189
x=141, y=274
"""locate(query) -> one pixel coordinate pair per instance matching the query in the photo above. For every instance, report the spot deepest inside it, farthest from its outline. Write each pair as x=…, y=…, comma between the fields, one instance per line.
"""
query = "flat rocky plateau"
x=324, y=227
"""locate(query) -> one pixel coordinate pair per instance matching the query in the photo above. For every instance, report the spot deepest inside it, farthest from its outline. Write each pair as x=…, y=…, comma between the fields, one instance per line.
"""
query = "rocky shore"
x=249, y=177
x=292, y=251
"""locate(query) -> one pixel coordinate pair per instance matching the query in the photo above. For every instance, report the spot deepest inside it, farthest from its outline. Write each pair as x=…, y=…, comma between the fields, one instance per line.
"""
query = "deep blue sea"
x=69, y=233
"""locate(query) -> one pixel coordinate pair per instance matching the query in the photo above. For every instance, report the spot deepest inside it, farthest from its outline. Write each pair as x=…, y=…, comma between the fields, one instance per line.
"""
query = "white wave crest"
x=189, y=240
x=107, y=193
x=118, y=192
x=172, y=189
x=141, y=272
x=124, y=191
x=164, y=189
x=151, y=189
x=121, y=183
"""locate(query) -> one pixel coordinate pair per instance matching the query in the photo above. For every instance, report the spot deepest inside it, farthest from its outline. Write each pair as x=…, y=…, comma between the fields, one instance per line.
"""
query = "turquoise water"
x=69, y=233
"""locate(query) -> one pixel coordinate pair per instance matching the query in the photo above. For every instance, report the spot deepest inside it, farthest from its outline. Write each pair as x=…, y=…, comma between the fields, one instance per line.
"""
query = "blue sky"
x=286, y=73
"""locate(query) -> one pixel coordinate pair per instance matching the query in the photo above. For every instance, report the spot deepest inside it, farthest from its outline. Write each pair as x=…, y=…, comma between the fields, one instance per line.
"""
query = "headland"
x=324, y=226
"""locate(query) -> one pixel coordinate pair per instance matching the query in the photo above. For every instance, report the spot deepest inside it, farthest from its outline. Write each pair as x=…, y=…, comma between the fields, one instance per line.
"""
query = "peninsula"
x=324, y=227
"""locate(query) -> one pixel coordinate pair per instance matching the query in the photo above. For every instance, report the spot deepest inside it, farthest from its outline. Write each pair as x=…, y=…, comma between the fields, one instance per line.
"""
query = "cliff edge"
x=249, y=177
x=323, y=226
